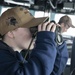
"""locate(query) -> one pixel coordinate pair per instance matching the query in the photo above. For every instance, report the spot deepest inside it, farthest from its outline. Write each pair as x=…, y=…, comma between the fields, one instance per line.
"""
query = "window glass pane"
x=41, y=14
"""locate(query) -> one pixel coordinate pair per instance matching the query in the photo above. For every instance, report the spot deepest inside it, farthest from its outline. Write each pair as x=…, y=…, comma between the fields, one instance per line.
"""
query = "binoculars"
x=58, y=36
x=34, y=30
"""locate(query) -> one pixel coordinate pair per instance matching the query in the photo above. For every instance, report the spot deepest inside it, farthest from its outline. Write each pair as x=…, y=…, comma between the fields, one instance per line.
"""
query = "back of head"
x=65, y=19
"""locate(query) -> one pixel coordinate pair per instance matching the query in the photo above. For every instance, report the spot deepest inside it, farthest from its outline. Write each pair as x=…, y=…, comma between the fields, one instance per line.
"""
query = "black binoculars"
x=34, y=30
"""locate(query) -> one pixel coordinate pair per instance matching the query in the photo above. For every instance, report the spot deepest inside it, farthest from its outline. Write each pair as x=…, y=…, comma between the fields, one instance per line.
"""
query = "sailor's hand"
x=47, y=27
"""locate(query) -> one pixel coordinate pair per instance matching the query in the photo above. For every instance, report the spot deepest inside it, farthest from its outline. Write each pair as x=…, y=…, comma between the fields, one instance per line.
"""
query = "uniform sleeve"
x=61, y=59
x=43, y=56
x=41, y=60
